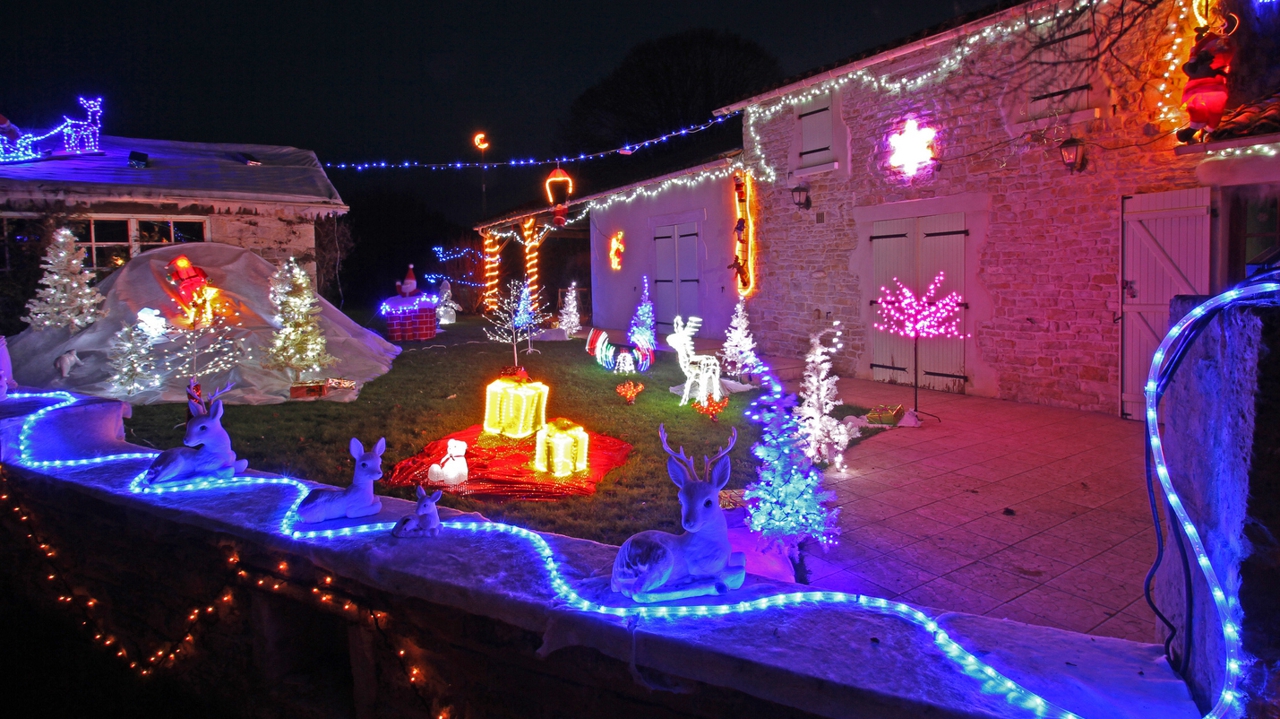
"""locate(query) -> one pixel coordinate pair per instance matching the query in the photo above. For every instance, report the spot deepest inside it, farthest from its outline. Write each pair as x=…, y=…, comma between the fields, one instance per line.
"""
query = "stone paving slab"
x=1025, y=512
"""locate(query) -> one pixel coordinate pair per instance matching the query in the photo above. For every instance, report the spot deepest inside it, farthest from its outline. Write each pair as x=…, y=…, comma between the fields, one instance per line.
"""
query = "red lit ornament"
x=187, y=278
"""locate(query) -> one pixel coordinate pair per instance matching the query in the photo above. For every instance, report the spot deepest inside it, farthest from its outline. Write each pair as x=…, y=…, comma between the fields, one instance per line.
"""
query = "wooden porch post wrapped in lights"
x=561, y=445
x=514, y=407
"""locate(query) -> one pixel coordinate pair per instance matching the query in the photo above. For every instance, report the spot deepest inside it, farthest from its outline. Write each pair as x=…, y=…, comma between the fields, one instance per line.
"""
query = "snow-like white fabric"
x=244, y=279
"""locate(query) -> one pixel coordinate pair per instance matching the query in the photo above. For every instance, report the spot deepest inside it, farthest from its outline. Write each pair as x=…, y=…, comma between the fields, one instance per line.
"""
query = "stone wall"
x=275, y=238
x=1048, y=261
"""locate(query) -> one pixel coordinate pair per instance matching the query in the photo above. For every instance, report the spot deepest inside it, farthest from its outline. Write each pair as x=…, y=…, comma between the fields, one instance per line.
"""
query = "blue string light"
x=567, y=159
x=78, y=137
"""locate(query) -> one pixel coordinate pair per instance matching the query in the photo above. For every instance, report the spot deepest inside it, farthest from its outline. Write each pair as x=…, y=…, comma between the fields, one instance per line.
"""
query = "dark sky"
x=381, y=79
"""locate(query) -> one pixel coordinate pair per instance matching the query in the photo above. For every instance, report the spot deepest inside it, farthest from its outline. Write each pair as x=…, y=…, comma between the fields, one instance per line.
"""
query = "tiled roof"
x=1252, y=118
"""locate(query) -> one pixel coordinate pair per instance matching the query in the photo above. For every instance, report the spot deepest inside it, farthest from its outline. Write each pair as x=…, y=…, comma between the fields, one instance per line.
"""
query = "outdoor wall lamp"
x=800, y=196
x=1072, y=150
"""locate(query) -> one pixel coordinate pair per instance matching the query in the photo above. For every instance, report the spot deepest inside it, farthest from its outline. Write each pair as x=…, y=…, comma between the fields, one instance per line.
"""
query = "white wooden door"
x=914, y=250
x=664, y=278
x=687, y=271
x=1165, y=253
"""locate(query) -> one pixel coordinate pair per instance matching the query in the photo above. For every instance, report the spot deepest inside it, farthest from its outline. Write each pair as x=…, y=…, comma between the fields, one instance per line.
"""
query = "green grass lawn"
x=435, y=390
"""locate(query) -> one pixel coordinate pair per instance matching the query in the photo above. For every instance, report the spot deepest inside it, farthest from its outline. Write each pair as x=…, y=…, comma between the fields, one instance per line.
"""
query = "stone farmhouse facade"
x=1066, y=271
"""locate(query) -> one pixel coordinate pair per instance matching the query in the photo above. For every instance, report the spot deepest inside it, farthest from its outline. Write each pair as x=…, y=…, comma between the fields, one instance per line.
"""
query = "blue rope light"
x=565, y=159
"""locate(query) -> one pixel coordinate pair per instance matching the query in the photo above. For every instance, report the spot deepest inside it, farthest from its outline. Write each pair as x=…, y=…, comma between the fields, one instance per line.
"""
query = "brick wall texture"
x=1051, y=257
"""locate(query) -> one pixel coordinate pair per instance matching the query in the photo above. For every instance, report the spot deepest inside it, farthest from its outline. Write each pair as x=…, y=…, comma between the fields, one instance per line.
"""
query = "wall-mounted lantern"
x=1072, y=150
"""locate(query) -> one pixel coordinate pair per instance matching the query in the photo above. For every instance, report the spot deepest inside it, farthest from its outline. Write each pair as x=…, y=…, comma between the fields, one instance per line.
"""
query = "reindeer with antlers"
x=655, y=566
x=704, y=370
x=207, y=449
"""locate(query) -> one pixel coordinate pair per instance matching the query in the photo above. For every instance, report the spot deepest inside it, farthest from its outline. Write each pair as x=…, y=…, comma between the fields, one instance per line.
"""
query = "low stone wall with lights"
x=205, y=585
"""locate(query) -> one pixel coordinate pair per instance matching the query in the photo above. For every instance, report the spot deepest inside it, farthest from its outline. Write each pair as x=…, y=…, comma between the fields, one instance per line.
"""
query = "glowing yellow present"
x=566, y=445
x=514, y=408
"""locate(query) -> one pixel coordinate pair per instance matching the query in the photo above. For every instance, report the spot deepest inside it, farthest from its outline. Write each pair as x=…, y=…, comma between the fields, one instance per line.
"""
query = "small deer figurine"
x=206, y=452
x=453, y=468
x=425, y=520
x=704, y=370
x=655, y=566
x=358, y=500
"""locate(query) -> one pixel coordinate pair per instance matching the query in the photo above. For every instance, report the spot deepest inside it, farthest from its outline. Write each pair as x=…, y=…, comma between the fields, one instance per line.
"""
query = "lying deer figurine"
x=207, y=451
x=425, y=520
x=655, y=566
x=358, y=500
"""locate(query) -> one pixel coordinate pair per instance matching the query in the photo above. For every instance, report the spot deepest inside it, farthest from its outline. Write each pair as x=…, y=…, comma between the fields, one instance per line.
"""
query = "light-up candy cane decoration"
x=907, y=315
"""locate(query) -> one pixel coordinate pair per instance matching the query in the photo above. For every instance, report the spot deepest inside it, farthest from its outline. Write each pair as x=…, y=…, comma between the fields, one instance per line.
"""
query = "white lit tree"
x=509, y=323
x=739, y=352
x=133, y=363
x=298, y=345
x=641, y=333
x=825, y=437
x=65, y=298
x=569, y=320
x=530, y=314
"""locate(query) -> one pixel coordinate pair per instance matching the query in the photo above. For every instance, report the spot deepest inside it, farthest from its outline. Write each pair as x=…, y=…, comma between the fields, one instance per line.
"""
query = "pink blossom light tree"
x=906, y=314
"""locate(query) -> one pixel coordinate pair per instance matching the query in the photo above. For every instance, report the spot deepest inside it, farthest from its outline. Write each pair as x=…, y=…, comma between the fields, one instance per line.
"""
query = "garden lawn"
x=437, y=387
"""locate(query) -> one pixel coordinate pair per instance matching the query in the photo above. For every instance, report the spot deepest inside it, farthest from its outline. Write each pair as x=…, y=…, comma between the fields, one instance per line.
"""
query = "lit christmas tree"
x=510, y=322
x=739, y=353
x=788, y=493
x=915, y=316
x=641, y=333
x=825, y=437
x=133, y=364
x=65, y=297
x=299, y=345
x=569, y=313
x=530, y=315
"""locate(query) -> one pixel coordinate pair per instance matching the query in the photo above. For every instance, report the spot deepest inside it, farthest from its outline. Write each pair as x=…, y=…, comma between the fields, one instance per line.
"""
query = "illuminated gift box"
x=514, y=407
x=565, y=444
x=886, y=414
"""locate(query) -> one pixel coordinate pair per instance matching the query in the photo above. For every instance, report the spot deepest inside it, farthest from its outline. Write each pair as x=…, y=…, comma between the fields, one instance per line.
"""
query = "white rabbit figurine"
x=206, y=452
x=453, y=468
x=358, y=500
x=425, y=520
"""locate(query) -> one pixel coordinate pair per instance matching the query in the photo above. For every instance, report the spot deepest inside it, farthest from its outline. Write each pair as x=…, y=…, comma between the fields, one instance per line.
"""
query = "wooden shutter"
x=687, y=270
x=893, y=248
x=942, y=242
x=815, y=132
x=664, y=277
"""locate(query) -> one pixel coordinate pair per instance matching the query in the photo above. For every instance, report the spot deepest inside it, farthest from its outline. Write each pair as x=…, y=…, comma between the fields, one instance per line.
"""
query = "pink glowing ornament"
x=912, y=148
x=906, y=314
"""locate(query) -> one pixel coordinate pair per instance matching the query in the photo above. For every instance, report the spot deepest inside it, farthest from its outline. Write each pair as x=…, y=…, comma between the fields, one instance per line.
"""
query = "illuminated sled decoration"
x=610, y=356
x=561, y=446
x=78, y=136
x=515, y=408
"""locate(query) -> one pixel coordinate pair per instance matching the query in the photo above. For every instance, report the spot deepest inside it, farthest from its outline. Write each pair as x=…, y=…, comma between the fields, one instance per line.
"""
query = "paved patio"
x=1005, y=509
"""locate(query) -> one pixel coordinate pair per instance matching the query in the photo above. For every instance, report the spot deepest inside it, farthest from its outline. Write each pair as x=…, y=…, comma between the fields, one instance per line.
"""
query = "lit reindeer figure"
x=82, y=135
x=655, y=566
x=358, y=500
x=207, y=449
x=701, y=369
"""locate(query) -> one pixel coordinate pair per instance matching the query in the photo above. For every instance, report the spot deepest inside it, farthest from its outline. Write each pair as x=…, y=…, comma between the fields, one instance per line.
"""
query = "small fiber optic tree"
x=507, y=324
x=788, y=491
x=530, y=314
x=739, y=352
x=825, y=436
x=65, y=298
x=906, y=314
x=641, y=333
x=569, y=318
x=298, y=345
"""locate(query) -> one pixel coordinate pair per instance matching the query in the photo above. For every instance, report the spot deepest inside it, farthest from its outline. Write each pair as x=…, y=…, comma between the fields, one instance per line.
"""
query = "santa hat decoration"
x=410, y=284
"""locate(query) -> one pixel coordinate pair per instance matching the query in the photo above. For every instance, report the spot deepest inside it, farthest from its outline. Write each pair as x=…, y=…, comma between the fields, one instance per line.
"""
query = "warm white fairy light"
x=65, y=298
x=298, y=345
x=739, y=351
x=825, y=436
x=569, y=319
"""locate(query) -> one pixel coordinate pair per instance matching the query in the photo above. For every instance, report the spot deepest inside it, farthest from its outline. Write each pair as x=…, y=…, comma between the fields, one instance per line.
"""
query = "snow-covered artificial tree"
x=133, y=364
x=65, y=298
x=787, y=494
x=825, y=437
x=298, y=344
x=739, y=352
x=507, y=324
x=569, y=319
x=530, y=314
x=641, y=333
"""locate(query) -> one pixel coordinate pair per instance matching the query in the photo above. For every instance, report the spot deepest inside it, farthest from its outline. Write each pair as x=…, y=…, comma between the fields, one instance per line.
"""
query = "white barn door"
x=1165, y=253
x=676, y=274
x=914, y=250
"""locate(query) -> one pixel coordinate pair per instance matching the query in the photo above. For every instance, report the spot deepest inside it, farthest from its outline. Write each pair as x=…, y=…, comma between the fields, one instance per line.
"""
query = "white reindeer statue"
x=701, y=369
x=206, y=450
x=655, y=566
x=358, y=500
x=425, y=520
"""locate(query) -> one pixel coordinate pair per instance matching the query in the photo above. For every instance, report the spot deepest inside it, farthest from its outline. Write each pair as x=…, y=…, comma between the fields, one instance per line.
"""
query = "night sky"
x=386, y=80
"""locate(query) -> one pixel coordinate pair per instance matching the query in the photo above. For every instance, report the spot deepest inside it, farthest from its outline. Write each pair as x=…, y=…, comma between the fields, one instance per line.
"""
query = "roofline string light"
x=566, y=159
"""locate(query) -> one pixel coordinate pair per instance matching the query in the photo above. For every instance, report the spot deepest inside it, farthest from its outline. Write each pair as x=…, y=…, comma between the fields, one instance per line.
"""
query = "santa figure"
x=409, y=286
x=1205, y=95
x=8, y=130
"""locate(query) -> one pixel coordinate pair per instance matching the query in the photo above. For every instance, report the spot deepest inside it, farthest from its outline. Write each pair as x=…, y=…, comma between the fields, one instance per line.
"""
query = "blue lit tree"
x=529, y=315
x=641, y=333
x=788, y=491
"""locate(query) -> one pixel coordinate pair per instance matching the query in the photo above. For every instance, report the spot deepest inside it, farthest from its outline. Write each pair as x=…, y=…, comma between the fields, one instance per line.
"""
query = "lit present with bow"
x=562, y=446
x=514, y=406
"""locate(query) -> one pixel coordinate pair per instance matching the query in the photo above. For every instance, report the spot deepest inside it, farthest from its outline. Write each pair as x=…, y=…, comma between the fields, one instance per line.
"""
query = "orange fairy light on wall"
x=744, y=257
x=491, y=249
x=532, y=244
x=616, y=247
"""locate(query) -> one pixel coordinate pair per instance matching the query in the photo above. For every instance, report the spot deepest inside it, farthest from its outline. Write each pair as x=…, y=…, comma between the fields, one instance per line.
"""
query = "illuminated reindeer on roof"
x=655, y=566
x=704, y=370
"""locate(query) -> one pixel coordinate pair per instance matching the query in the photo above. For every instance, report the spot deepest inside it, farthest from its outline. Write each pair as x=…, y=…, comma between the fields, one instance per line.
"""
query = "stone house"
x=132, y=195
x=948, y=152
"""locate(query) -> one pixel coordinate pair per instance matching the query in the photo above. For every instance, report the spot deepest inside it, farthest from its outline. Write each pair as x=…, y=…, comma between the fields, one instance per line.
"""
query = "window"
x=1257, y=235
x=1060, y=78
x=816, y=132
x=109, y=242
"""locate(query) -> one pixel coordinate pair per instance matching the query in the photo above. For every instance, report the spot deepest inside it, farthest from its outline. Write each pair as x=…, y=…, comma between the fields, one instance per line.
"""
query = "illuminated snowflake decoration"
x=912, y=148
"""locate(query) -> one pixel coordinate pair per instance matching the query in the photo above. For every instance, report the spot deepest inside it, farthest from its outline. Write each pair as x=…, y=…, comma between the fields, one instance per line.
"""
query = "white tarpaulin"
x=243, y=279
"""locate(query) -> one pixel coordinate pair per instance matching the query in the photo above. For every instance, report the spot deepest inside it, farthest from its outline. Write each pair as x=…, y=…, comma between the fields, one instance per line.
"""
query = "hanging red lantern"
x=559, y=186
